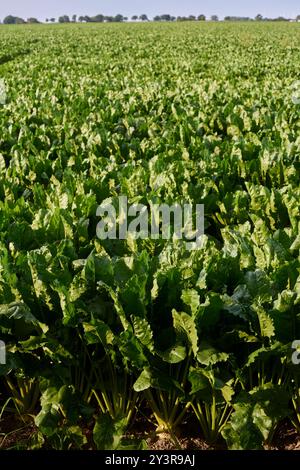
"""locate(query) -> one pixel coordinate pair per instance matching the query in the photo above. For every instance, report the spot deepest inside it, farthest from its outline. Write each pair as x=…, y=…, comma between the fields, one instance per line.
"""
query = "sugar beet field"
x=141, y=343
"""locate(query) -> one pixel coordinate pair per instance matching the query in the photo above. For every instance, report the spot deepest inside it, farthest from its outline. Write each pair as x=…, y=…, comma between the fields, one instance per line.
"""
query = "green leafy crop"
x=102, y=333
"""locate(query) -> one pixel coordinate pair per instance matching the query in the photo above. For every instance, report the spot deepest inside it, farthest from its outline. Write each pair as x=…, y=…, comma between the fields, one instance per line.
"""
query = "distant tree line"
x=16, y=20
x=257, y=18
x=182, y=18
x=101, y=19
x=108, y=19
x=120, y=18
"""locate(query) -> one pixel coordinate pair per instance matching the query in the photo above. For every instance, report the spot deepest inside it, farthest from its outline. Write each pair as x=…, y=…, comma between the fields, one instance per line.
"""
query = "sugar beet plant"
x=102, y=334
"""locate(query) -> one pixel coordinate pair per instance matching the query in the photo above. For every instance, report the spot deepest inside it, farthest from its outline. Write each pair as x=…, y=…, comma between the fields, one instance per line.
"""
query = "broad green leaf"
x=107, y=433
x=185, y=326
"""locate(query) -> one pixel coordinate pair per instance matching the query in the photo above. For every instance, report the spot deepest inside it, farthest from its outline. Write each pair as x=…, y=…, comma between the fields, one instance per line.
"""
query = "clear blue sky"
x=54, y=8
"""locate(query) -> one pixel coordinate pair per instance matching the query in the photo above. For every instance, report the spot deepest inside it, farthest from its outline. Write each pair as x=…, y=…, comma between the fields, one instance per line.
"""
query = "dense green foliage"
x=105, y=331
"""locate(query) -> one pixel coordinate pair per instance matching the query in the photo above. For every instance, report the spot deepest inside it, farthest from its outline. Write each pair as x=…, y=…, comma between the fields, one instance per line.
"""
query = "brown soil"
x=15, y=434
x=285, y=438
